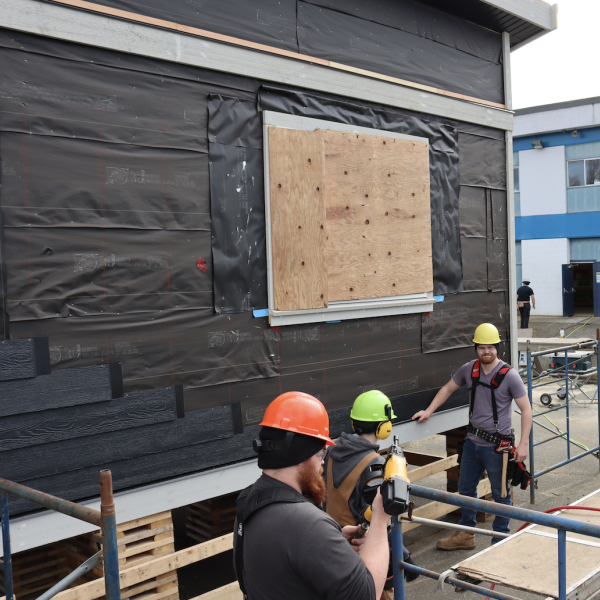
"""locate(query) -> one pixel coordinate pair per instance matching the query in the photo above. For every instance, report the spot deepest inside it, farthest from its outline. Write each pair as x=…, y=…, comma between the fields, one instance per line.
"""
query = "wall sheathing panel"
x=120, y=193
x=298, y=217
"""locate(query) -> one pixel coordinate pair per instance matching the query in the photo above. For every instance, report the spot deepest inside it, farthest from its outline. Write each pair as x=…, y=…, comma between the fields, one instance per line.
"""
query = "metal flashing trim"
x=89, y=28
x=535, y=12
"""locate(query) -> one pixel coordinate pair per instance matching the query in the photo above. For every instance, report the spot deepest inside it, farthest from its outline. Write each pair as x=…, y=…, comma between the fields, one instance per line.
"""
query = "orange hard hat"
x=300, y=413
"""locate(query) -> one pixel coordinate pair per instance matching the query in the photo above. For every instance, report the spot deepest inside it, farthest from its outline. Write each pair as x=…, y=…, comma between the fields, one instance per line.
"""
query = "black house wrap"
x=133, y=232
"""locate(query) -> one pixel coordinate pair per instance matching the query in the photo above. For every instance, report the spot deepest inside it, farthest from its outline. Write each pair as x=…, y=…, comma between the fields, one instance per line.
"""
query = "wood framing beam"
x=179, y=45
x=433, y=468
x=418, y=459
x=227, y=592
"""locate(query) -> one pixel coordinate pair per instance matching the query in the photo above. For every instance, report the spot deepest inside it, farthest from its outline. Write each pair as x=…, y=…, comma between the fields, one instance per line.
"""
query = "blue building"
x=557, y=205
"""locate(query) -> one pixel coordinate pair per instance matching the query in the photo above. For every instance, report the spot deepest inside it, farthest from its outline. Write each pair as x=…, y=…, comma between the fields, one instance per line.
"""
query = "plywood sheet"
x=378, y=216
x=530, y=562
x=297, y=206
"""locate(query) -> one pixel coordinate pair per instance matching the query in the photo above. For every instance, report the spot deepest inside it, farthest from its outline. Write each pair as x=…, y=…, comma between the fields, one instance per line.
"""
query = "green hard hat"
x=371, y=407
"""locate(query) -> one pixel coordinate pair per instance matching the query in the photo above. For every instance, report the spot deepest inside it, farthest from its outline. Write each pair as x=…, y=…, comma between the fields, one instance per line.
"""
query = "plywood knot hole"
x=318, y=189
x=389, y=175
x=351, y=289
x=413, y=193
x=302, y=263
x=299, y=226
x=386, y=214
x=393, y=285
x=389, y=253
x=345, y=172
x=321, y=226
x=367, y=221
x=309, y=160
x=384, y=143
x=347, y=207
x=413, y=216
x=279, y=186
x=321, y=295
x=366, y=195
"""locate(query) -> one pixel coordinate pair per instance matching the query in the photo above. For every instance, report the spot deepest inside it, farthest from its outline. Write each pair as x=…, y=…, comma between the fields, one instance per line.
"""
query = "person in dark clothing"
x=524, y=293
x=286, y=547
x=346, y=469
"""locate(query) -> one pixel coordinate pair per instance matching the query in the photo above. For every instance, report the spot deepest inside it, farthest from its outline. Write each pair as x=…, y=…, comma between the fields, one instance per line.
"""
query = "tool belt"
x=494, y=438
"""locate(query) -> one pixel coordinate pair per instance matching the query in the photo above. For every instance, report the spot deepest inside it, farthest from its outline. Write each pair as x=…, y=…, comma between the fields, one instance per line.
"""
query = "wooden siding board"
x=84, y=483
x=24, y=358
x=133, y=410
x=66, y=387
x=197, y=427
x=378, y=216
x=297, y=207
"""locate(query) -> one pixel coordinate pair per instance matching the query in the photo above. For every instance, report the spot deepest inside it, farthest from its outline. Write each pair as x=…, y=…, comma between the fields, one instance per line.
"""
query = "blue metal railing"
x=566, y=435
x=562, y=524
x=105, y=519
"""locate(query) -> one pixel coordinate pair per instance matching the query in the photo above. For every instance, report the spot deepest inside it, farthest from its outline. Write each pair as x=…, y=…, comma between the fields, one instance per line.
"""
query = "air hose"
x=563, y=508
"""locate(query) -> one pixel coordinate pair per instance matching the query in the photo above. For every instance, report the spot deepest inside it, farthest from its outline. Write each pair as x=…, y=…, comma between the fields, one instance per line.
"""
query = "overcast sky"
x=562, y=64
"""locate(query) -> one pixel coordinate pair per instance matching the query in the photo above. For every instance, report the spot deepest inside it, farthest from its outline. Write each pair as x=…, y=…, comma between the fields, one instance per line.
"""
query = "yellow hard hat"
x=486, y=334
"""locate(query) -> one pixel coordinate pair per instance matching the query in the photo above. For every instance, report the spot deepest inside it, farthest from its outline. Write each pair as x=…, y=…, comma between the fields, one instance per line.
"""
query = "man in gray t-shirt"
x=478, y=454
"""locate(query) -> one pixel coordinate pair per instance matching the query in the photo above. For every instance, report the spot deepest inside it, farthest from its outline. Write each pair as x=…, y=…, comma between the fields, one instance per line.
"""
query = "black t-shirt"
x=298, y=552
x=524, y=293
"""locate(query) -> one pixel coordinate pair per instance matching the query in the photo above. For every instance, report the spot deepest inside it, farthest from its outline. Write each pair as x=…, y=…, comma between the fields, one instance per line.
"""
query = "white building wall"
x=542, y=264
x=570, y=118
x=543, y=181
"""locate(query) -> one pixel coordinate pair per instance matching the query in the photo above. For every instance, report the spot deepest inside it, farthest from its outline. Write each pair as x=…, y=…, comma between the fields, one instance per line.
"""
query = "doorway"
x=581, y=288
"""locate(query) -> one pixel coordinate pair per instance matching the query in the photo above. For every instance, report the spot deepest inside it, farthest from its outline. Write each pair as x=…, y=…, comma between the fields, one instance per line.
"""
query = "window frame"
x=341, y=310
x=585, y=185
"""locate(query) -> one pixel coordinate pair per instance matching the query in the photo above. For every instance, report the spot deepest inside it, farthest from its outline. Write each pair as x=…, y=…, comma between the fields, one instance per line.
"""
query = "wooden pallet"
x=211, y=518
x=36, y=571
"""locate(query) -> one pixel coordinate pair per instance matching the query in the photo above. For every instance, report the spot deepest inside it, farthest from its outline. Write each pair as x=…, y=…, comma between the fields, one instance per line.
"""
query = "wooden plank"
x=297, y=207
x=230, y=591
x=418, y=459
x=136, y=17
x=433, y=468
x=378, y=216
x=197, y=427
x=530, y=562
x=83, y=483
x=133, y=410
x=66, y=387
x=21, y=359
x=435, y=510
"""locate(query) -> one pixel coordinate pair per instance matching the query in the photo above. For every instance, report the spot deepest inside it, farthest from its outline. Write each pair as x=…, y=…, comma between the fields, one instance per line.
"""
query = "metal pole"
x=567, y=402
x=8, y=576
x=444, y=525
x=89, y=515
x=63, y=584
x=562, y=564
x=531, y=445
x=397, y=557
x=109, y=537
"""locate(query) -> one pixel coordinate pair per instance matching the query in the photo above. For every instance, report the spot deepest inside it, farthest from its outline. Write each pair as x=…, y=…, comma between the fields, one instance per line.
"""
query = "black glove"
x=409, y=575
x=517, y=474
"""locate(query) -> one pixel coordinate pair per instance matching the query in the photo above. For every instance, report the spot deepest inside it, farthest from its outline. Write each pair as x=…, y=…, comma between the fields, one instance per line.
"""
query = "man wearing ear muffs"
x=346, y=469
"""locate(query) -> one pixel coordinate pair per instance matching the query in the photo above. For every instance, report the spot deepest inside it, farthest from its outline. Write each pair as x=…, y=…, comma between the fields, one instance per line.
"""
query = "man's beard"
x=312, y=484
x=487, y=359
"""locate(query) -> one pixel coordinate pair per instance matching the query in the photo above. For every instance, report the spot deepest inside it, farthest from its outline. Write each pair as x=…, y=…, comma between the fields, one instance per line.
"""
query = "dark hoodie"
x=349, y=450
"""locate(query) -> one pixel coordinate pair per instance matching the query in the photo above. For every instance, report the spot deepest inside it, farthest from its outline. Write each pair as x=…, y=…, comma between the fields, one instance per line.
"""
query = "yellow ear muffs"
x=383, y=430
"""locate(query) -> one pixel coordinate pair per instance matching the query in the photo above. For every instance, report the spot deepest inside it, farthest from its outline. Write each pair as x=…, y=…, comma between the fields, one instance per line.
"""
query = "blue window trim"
x=558, y=138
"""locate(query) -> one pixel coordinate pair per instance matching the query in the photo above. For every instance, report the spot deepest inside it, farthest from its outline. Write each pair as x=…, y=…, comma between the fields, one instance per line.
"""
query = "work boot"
x=459, y=540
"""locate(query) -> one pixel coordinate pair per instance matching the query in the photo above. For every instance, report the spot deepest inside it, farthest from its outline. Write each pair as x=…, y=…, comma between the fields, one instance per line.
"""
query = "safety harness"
x=248, y=502
x=496, y=437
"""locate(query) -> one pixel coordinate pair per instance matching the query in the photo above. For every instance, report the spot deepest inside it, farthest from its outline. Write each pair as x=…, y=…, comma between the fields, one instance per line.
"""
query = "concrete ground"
x=582, y=325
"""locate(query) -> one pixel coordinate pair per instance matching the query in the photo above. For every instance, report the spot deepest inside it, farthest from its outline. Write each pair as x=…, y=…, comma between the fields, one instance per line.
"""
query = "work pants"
x=525, y=310
x=475, y=460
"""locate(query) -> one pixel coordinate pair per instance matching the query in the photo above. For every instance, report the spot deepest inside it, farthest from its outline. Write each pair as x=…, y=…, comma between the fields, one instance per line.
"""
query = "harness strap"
x=249, y=502
x=494, y=384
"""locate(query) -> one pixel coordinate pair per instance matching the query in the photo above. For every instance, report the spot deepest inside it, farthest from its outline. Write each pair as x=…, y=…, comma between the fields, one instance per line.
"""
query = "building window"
x=584, y=172
x=516, y=178
x=348, y=221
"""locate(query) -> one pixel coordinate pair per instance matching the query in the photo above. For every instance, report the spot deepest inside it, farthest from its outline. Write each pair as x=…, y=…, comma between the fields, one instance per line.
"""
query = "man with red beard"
x=493, y=387
x=285, y=546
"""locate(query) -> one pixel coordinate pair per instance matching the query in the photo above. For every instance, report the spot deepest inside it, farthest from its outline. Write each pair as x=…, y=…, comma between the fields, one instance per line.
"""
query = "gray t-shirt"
x=483, y=416
x=298, y=552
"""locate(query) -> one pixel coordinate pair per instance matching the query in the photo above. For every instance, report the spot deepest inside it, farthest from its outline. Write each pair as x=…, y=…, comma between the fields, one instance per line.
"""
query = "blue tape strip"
x=438, y=298
x=261, y=312
x=332, y=321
